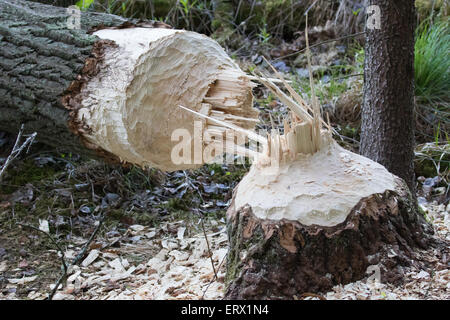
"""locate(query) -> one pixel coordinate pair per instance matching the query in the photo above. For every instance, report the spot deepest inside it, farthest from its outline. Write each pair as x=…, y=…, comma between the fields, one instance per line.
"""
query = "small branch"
x=349, y=76
x=64, y=264
x=87, y=244
x=215, y=276
x=76, y=260
x=63, y=261
x=209, y=249
x=65, y=267
x=57, y=284
x=17, y=150
x=309, y=8
x=207, y=244
x=126, y=234
x=320, y=43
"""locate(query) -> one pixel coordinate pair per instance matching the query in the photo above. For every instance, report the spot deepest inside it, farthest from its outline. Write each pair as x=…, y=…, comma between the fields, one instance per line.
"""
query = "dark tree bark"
x=387, y=130
x=42, y=63
x=58, y=3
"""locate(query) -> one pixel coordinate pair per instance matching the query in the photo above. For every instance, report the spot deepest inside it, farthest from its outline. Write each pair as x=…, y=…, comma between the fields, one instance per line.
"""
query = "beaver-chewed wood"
x=281, y=259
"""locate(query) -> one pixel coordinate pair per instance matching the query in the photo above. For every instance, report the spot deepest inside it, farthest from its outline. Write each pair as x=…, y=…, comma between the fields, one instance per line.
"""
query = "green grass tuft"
x=432, y=63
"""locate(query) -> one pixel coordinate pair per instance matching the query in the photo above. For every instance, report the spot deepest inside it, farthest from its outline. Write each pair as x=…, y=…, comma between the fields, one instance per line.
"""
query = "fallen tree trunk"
x=111, y=88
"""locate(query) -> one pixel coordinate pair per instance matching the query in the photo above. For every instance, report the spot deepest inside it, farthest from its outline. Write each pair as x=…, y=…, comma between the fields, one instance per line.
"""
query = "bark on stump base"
x=282, y=259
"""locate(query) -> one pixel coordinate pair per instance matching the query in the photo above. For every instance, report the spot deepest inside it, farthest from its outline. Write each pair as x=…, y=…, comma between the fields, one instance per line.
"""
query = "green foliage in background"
x=84, y=4
x=432, y=63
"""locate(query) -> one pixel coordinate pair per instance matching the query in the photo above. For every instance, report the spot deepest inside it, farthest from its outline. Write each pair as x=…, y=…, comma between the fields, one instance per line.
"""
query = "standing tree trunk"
x=112, y=88
x=387, y=130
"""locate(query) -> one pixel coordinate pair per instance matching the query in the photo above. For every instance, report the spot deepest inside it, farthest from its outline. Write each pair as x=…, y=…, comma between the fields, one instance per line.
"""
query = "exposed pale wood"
x=250, y=134
x=300, y=112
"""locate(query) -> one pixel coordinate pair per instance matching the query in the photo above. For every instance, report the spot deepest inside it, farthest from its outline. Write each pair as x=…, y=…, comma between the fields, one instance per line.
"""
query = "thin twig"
x=215, y=276
x=207, y=244
x=63, y=261
x=76, y=260
x=126, y=234
x=320, y=43
x=17, y=150
x=57, y=284
x=86, y=245
x=209, y=249
x=349, y=76
x=309, y=8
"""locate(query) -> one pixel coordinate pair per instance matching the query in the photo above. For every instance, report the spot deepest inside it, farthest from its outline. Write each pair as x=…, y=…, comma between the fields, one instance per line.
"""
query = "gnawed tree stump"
x=112, y=88
x=304, y=246
x=310, y=214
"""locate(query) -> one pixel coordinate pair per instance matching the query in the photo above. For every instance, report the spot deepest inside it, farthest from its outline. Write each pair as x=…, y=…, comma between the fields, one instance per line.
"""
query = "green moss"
x=223, y=14
x=425, y=168
x=424, y=214
x=431, y=156
x=349, y=131
x=251, y=246
x=26, y=172
x=215, y=24
x=220, y=175
x=176, y=204
x=116, y=214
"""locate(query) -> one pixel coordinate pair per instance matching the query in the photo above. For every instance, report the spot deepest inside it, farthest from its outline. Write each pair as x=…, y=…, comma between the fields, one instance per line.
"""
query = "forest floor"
x=175, y=261
x=145, y=234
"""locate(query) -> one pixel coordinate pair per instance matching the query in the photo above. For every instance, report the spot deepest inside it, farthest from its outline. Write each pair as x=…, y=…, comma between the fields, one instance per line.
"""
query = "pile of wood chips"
x=181, y=267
